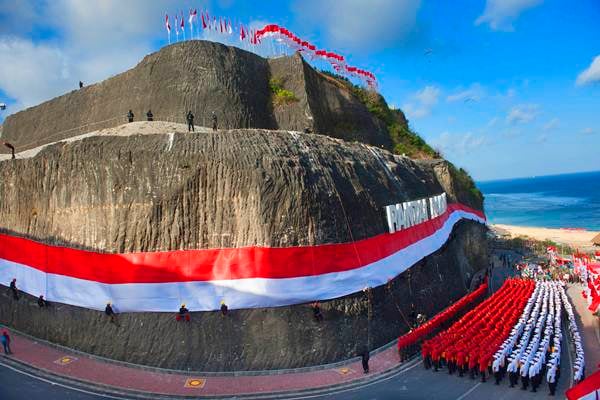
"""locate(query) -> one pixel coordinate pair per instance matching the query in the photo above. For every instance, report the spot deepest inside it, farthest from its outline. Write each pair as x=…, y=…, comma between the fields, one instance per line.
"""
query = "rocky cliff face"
x=258, y=339
x=229, y=189
x=202, y=77
x=152, y=187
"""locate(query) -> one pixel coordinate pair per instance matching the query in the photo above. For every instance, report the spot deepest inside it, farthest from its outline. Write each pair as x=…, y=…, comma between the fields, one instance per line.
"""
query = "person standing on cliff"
x=13, y=289
x=6, y=343
x=184, y=314
x=150, y=116
x=42, y=302
x=214, y=121
x=108, y=310
x=190, y=121
x=12, y=149
x=130, y=116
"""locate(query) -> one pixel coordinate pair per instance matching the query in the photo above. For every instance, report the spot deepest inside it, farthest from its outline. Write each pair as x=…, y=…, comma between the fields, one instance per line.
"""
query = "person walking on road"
x=365, y=361
x=190, y=121
x=6, y=342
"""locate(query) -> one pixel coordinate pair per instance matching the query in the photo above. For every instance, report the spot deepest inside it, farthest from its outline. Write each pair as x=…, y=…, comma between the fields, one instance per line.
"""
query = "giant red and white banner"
x=243, y=277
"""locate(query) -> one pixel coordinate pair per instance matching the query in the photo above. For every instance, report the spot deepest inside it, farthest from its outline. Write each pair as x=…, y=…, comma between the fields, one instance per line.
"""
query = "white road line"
x=468, y=391
x=257, y=394
x=358, y=387
x=106, y=396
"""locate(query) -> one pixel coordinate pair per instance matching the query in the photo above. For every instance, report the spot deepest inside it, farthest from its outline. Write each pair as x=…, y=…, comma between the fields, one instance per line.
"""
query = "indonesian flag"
x=182, y=23
x=587, y=389
x=221, y=24
x=167, y=24
x=204, y=26
x=242, y=33
x=193, y=14
x=247, y=276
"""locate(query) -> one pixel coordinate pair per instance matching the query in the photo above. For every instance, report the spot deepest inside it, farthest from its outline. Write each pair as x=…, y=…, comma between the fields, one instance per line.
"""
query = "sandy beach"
x=581, y=239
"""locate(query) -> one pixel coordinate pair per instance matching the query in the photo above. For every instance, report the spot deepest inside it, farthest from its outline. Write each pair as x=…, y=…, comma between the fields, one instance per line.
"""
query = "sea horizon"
x=570, y=200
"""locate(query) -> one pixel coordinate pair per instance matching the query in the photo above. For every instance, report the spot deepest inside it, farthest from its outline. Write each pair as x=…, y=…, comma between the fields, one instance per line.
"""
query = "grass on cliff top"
x=404, y=139
x=280, y=96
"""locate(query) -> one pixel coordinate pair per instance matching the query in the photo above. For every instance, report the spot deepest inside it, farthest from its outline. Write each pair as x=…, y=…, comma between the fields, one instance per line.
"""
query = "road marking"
x=105, y=396
x=65, y=360
x=329, y=393
x=195, y=383
x=345, y=371
x=469, y=391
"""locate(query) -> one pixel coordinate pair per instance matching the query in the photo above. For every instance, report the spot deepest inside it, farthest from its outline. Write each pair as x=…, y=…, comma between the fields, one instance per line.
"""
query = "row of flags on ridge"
x=254, y=37
x=221, y=25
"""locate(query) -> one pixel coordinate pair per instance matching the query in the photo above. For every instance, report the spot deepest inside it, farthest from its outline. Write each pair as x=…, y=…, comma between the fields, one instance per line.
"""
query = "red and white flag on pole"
x=182, y=25
x=242, y=33
x=168, y=27
x=204, y=26
x=193, y=15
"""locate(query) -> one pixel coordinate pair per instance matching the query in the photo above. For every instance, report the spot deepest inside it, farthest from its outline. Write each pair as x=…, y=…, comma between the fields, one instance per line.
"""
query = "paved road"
x=413, y=383
x=419, y=383
x=17, y=386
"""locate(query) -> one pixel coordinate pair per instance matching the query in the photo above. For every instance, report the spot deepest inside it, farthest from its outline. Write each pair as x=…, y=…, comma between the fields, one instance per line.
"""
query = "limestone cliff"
x=228, y=189
x=202, y=77
x=153, y=187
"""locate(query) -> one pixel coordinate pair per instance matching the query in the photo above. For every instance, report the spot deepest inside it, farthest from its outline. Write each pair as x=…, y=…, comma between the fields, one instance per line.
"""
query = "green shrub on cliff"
x=404, y=140
x=279, y=95
x=466, y=181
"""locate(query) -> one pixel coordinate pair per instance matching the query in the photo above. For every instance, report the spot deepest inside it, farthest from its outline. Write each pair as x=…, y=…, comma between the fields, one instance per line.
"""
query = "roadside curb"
x=122, y=393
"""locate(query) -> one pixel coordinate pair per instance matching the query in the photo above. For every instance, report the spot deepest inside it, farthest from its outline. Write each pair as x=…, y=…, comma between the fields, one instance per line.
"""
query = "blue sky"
x=504, y=88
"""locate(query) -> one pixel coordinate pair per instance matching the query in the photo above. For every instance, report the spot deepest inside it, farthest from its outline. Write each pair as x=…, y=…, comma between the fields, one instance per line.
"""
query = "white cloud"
x=588, y=131
x=90, y=43
x=523, y=113
x=475, y=92
x=422, y=102
x=31, y=73
x=458, y=144
x=500, y=14
x=552, y=124
x=591, y=74
x=358, y=24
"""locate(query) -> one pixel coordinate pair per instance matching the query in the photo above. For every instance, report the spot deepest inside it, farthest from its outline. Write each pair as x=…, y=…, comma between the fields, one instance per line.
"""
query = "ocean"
x=557, y=201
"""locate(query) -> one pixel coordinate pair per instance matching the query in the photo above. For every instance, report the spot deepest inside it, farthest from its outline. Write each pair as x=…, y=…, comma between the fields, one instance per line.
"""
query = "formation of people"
x=469, y=344
x=516, y=332
x=189, y=118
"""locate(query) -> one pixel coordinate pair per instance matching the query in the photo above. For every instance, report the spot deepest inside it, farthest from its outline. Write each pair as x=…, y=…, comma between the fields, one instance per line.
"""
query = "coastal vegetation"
x=279, y=95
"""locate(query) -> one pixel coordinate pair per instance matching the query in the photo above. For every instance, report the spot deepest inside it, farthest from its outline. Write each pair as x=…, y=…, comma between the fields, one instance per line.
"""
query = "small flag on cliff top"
x=229, y=29
x=242, y=33
x=182, y=25
x=168, y=26
x=204, y=26
x=177, y=26
x=193, y=14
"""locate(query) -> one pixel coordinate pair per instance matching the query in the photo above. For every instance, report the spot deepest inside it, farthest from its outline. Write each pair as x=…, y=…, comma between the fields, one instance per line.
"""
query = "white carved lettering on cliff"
x=404, y=215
